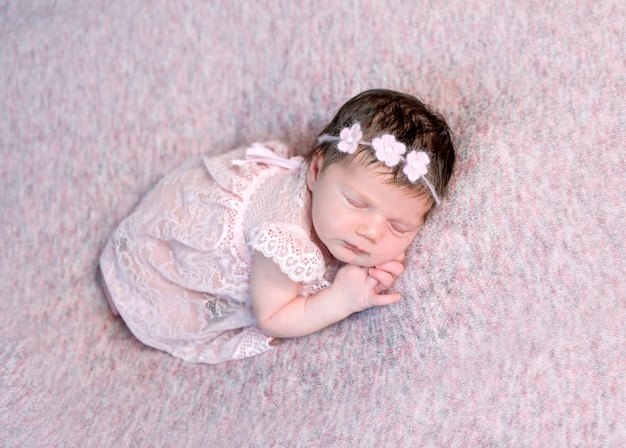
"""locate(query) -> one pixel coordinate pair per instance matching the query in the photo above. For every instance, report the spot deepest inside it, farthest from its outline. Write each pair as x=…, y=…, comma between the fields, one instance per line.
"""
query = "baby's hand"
x=358, y=290
x=387, y=273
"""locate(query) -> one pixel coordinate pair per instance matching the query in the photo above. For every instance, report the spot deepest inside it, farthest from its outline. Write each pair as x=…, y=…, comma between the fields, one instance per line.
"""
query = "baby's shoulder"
x=280, y=197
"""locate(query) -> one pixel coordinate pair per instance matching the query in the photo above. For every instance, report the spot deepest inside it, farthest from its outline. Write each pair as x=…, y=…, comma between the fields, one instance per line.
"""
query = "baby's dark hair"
x=409, y=120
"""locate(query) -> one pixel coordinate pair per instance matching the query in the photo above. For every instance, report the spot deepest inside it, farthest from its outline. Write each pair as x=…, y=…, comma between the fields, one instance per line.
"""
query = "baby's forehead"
x=375, y=170
x=367, y=162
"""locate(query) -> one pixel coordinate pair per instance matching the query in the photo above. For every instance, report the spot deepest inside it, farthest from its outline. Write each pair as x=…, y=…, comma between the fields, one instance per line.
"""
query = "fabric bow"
x=258, y=153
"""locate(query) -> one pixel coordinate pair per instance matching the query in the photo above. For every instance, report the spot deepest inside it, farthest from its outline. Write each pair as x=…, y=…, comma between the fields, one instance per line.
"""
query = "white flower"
x=350, y=139
x=388, y=149
x=416, y=165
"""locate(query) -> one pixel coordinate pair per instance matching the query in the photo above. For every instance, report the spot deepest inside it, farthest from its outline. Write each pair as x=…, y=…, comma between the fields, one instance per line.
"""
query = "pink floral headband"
x=388, y=150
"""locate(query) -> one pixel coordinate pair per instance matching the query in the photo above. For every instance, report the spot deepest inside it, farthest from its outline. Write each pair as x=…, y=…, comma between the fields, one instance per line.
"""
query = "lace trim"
x=252, y=343
x=295, y=254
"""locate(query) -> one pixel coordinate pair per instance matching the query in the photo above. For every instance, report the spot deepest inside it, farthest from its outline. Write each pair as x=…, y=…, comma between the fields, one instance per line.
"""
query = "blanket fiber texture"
x=511, y=330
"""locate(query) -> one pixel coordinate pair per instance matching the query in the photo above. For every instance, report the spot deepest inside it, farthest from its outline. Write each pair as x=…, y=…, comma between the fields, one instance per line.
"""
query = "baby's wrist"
x=342, y=300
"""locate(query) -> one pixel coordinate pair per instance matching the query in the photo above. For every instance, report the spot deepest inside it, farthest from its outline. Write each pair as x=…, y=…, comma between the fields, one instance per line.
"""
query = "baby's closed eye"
x=355, y=202
x=401, y=228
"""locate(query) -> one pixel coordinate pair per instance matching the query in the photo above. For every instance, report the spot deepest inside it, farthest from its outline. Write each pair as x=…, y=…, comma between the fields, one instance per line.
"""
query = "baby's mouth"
x=354, y=248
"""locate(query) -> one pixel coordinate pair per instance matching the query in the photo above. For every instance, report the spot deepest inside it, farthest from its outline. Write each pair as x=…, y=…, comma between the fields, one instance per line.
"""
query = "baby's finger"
x=395, y=268
x=384, y=279
x=384, y=299
x=400, y=257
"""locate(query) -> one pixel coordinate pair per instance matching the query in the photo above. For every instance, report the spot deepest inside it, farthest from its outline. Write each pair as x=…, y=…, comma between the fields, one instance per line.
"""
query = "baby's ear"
x=315, y=167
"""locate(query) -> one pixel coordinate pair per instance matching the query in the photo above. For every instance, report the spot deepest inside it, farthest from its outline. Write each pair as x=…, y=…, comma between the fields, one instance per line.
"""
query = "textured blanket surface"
x=511, y=331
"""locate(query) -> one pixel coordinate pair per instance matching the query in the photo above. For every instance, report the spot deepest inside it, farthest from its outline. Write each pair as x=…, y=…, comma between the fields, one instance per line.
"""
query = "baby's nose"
x=370, y=230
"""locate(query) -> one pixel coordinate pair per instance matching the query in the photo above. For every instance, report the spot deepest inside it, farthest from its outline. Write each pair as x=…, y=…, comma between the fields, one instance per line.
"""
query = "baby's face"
x=361, y=219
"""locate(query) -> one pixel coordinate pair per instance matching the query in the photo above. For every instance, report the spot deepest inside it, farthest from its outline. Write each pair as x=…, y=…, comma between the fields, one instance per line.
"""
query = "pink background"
x=512, y=327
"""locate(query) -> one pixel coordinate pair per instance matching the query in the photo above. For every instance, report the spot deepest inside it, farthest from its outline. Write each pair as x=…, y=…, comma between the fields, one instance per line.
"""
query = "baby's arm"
x=281, y=312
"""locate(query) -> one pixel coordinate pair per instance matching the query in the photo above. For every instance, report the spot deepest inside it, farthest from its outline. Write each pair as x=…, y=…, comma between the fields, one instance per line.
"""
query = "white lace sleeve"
x=277, y=224
x=291, y=249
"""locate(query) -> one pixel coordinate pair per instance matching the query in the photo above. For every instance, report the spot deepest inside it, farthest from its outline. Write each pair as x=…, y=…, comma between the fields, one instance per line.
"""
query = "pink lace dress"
x=177, y=269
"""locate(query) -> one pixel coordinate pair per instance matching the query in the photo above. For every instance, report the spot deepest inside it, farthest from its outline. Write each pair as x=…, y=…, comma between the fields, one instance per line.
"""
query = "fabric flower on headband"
x=388, y=149
x=416, y=165
x=350, y=139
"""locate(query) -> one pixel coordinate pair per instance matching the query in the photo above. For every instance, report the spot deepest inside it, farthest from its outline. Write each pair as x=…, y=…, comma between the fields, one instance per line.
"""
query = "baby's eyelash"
x=399, y=229
x=355, y=203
